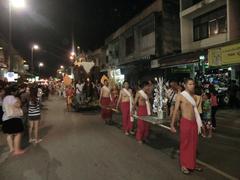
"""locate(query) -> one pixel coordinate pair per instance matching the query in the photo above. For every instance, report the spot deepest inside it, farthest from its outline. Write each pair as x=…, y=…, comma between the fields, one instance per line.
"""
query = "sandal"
x=31, y=140
x=126, y=133
x=199, y=169
x=185, y=171
x=132, y=132
x=38, y=141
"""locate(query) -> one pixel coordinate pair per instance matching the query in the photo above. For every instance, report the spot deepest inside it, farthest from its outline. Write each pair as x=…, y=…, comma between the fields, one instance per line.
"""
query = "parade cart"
x=83, y=72
x=159, y=108
x=164, y=123
x=153, y=119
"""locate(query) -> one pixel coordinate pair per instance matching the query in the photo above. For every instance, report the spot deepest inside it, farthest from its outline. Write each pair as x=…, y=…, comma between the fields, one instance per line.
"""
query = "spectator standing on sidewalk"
x=233, y=93
x=34, y=116
x=2, y=94
x=214, y=107
x=12, y=122
x=23, y=95
x=206, y=116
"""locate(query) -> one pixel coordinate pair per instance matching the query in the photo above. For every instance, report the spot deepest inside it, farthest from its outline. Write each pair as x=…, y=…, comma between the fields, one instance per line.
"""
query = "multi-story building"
x=17, y=61
x=207, y=23
x=211, y=30
x=155, y=32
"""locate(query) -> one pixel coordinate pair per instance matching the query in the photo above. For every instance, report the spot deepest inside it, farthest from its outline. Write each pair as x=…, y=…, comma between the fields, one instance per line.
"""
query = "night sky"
x=51, y=24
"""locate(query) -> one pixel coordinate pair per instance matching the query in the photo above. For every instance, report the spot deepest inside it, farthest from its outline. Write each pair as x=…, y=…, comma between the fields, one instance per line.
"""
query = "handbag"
x=13, y=111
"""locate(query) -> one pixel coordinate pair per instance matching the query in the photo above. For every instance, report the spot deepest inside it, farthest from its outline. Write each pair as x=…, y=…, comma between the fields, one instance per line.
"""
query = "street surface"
x=79, y=146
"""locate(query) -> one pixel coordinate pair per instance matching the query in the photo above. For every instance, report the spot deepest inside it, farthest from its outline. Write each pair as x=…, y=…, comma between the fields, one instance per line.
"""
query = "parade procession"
x=119, y=90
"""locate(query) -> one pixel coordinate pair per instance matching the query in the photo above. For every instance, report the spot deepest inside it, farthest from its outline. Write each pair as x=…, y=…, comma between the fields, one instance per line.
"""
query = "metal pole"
x=10, y=37
x=32, y=66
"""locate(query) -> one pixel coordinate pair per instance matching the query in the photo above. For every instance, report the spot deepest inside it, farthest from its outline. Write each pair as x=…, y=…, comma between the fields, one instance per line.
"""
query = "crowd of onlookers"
x=20, y=112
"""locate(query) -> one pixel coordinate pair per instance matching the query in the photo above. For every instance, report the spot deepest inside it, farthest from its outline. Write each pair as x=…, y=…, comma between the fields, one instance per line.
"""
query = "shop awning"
x=178, y=59
x=3, y=65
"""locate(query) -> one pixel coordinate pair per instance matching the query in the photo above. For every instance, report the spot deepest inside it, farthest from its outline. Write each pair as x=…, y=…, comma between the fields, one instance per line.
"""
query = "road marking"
x=217, y=170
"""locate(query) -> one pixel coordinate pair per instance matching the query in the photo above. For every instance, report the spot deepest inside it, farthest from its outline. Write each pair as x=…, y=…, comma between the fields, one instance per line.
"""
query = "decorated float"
x=84, y=72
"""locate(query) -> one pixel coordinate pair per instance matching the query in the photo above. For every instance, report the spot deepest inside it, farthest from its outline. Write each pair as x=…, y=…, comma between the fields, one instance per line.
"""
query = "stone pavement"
x=78, y=146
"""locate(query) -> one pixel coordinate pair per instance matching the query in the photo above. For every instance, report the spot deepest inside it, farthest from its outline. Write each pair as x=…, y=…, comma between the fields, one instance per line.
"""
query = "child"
x=206, y=116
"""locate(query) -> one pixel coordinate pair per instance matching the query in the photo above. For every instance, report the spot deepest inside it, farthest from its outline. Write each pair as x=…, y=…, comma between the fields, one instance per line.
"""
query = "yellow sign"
x=224, y=55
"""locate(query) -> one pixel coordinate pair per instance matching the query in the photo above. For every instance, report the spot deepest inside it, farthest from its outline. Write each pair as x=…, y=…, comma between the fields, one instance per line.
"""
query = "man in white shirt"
x=79, y=92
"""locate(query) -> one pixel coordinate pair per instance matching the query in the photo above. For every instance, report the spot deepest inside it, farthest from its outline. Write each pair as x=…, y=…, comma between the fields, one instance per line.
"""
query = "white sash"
x=131, y=102
x=197, y=115
x=145, y=96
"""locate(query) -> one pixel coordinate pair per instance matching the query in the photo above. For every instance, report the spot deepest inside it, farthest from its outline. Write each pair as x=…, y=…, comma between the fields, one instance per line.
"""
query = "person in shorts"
x=34, y=116
x=12, y=122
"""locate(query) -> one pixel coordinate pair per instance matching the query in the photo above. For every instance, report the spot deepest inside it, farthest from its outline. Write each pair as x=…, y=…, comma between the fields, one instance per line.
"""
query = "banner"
x=224, y=55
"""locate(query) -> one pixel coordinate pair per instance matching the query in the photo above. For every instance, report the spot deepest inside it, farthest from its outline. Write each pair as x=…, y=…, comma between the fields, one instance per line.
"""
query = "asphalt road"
x=78, y=146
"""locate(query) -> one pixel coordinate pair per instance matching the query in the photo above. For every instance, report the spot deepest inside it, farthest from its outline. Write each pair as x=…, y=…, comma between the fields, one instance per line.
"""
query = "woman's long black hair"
x=33, y=94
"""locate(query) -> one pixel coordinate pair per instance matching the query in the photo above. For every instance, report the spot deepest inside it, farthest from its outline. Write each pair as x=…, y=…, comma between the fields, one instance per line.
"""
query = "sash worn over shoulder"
x=197, y=115
x=131, y=102
x=145, y=96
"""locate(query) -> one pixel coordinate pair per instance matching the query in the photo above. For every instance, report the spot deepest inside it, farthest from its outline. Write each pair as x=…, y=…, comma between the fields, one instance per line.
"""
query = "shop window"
x=213, y=29
x=147, y=29
x=107, y=59
x=222, y=25
x=129, y=45
x=210, y=24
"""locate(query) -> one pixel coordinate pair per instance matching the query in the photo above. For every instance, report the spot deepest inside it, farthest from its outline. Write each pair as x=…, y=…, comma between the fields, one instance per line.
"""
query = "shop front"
x=222, y=70
x=226, y=57
x=178, y=67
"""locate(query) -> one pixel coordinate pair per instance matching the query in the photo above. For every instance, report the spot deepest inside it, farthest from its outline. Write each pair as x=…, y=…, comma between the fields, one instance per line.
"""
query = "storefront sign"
x=224, y=55
x=155, y=63
x=11, y=76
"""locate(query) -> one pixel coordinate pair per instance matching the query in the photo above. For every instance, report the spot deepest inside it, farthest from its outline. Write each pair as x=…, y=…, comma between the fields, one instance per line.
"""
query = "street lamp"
x=40, y=65
x=61, y=67
x=34, y=47
x=71, y=57
x=73, y=53
x=19, y=4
